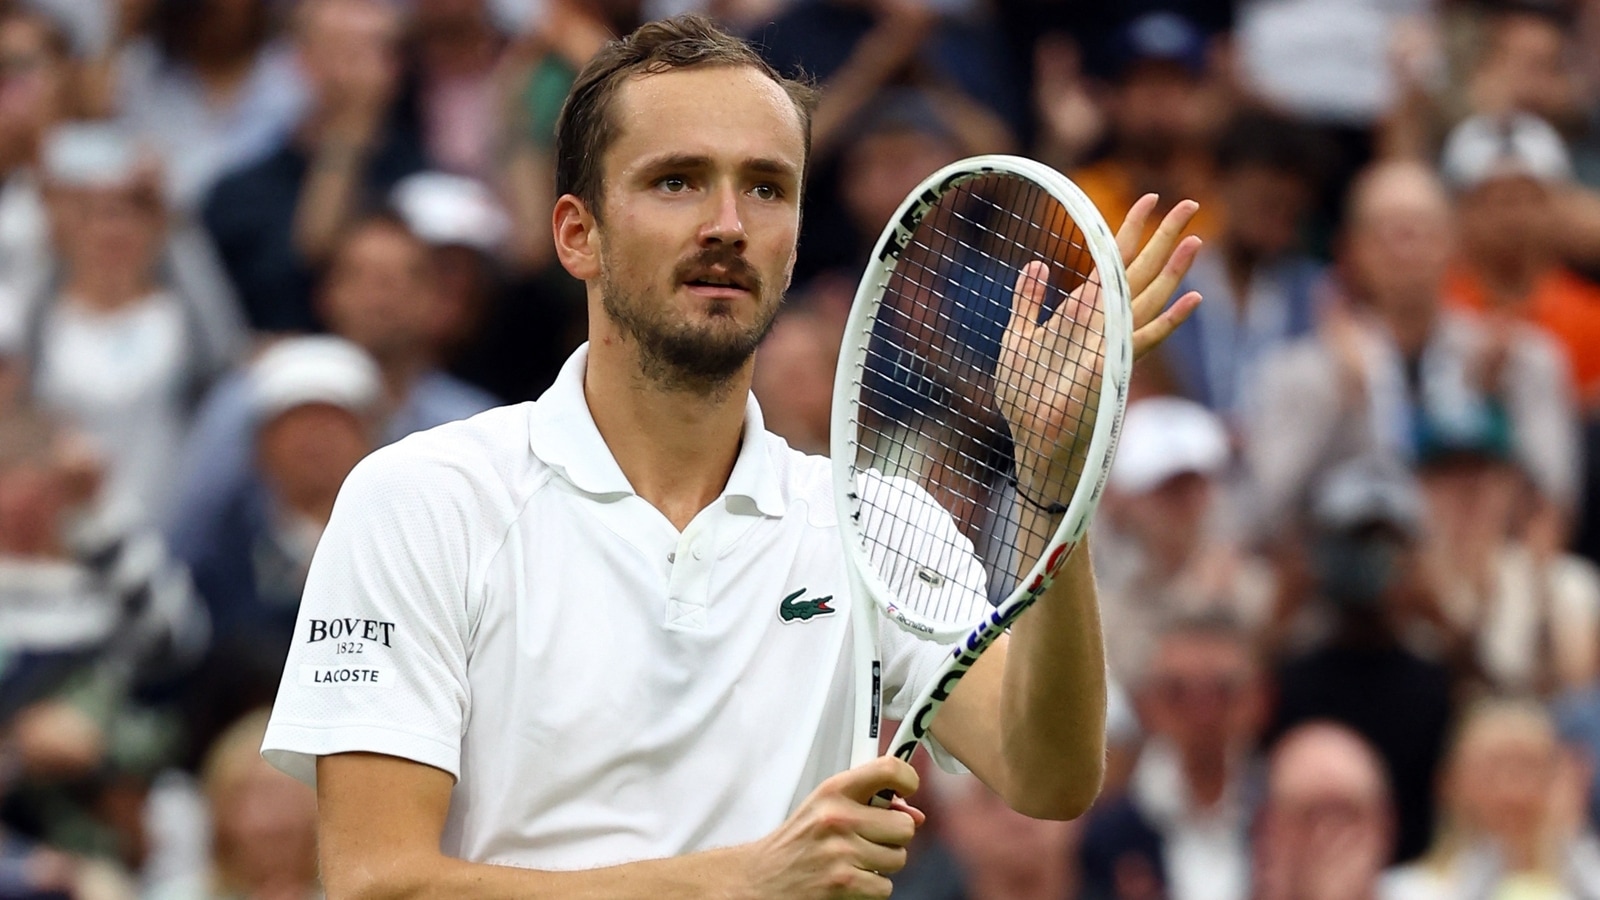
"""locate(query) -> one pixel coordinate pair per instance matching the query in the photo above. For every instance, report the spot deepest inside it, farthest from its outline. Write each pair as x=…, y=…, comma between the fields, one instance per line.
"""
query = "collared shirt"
x=493, y=599
x=1206, y=851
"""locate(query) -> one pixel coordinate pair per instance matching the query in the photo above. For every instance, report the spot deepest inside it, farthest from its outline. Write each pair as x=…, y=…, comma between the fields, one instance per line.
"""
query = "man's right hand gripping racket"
x=976, y=408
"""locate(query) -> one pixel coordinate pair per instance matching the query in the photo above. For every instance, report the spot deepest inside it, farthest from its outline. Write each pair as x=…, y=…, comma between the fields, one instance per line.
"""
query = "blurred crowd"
x=1347, y=553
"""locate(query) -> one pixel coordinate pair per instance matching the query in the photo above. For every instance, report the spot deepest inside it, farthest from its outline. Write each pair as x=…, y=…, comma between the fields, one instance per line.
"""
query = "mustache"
x=721, y=261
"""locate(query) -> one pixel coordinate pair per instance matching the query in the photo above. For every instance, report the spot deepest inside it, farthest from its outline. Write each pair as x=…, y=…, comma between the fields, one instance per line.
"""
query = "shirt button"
x=699, y=551
x=672, y=557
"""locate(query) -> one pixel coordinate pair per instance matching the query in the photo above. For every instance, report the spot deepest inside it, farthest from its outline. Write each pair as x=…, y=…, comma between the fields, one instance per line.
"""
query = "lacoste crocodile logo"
x=793, y=607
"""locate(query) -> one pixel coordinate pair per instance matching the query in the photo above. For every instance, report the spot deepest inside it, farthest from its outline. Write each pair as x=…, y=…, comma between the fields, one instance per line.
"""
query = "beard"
x=683, y=355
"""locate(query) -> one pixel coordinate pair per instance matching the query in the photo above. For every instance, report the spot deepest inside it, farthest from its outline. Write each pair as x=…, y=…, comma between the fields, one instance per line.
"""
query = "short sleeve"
x=379, y=658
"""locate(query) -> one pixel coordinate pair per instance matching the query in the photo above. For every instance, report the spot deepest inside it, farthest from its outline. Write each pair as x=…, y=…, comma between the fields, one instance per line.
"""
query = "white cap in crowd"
x=89, y=155
x=318, y=369
x=1518, y=145
x=1369, y=491
x=1163, y=437
x=450, y=210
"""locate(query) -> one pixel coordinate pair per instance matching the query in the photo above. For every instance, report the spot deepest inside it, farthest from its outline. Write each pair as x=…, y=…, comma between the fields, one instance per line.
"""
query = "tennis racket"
x=977, y=402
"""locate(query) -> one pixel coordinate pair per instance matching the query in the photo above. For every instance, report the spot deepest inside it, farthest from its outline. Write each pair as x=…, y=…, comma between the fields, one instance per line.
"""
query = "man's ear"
x=577, y=238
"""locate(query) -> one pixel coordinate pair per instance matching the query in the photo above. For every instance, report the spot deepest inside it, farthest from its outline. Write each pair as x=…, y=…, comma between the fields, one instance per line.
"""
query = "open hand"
x=1049, y=370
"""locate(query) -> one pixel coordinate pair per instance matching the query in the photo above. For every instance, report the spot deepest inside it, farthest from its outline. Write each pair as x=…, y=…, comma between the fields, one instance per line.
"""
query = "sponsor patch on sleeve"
x=347, y=676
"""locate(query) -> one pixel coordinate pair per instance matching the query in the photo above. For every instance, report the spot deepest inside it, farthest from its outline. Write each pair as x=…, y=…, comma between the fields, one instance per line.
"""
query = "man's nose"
x=724, y=224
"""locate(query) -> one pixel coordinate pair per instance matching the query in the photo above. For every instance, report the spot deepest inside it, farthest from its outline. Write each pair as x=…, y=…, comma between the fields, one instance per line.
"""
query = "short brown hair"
x=585, y=130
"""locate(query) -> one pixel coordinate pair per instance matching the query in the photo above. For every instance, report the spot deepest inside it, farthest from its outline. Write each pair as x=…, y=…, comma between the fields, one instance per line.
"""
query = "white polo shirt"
x=492, y=598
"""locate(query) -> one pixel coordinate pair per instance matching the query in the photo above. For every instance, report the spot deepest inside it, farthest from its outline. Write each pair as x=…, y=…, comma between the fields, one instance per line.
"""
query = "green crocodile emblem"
x=793, y=607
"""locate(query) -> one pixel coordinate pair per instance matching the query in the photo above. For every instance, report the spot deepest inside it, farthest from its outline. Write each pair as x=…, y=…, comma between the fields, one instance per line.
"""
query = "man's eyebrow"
x=691, y=161
x=772, y=167
x=676, y=161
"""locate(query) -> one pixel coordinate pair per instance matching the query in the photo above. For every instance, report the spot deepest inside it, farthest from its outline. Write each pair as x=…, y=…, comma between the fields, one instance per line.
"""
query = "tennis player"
x=598, y=645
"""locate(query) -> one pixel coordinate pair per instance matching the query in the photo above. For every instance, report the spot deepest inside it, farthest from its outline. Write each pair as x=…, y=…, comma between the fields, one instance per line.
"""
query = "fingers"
x=1152, y=299
x=1152, y=334
x=1133, y=227
x=868, y=779
x=885, y=827
x=879, y=858
x=1153, y=258
x=1027, y=298
x=917, y=815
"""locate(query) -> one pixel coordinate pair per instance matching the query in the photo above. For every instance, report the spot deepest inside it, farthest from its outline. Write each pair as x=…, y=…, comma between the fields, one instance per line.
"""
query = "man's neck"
x=1240, y=265
x=400, y=370
x=1207, y=777
x=1509, y=282
x=676, y=447
x=103, y=292
x=1409, y=323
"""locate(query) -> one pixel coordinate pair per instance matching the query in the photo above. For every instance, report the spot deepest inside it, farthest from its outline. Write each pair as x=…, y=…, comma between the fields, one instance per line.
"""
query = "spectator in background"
x=1161, y=549
x=379, y=293
x=1326, y=829
x=1182, y=827
x=1161, y=128
x=92, y=621
x=888, y=67
x=855, y=48
x=1577, y=718
x=314, y=404
x=1512, y=813
x=276, y=220
x=794, y=378
x=1506, y=173
x=1333, y=64
x=116, y=344
x=1261, y=289
x=1393, y=370
x=202, y=81
x=458, y=49
x=263, y=826
x=897, y=141
x=991, y=851
x=1366, y=561
x=37, y=90
x=492, y=327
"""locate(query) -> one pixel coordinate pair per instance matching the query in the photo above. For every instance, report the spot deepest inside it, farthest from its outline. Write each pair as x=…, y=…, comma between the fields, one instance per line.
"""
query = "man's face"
x=350, y=49
x=111, y=230
x=379, y=293
x=32, y=80
x=1265, y=207
x=700, y=213
x=1506, y=220
x=1201, y=693
x=1158, y=108
x=1501, y=778
x=882, y=168
x=1529, y=62
x=308, y=450
x=1327, y=802
x=1401, y=242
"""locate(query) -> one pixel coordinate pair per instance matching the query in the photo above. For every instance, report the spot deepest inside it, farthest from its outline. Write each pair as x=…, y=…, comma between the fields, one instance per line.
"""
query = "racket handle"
x=882, y=799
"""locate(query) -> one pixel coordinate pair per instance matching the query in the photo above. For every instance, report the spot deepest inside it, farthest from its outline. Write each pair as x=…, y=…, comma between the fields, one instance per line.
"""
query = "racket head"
x=921, y=346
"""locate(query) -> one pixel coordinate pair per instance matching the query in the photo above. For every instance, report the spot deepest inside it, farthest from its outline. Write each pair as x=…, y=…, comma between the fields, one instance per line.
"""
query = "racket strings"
x=939, y=461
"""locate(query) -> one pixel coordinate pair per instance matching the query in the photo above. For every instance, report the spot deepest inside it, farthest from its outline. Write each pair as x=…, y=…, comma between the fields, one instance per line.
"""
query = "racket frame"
x=969, y=641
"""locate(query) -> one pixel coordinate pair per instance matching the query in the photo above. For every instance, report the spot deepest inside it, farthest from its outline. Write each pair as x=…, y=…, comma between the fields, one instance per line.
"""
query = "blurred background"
x=1348, y=550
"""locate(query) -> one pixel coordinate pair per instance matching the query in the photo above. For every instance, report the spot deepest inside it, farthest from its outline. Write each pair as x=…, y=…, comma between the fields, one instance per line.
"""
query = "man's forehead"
x=708, y=106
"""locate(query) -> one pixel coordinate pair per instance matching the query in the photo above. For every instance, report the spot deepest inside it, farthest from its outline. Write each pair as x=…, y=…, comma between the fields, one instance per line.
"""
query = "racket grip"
x=882, y=799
